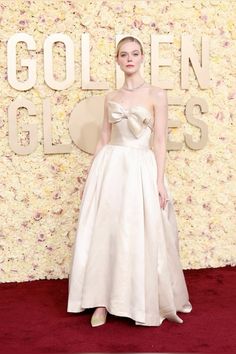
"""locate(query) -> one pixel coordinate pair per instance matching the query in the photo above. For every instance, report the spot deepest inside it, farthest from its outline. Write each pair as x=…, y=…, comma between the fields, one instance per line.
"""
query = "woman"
x=126, y=257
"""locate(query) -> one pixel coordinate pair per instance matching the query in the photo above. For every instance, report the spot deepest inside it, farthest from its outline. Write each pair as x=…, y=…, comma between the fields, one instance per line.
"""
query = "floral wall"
x=40, y=193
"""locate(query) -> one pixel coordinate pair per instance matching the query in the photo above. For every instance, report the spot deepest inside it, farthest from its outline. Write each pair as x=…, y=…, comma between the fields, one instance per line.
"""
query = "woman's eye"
x=135, y=54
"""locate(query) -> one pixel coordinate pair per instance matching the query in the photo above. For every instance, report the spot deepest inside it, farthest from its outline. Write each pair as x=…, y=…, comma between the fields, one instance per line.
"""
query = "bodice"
x=130, y=127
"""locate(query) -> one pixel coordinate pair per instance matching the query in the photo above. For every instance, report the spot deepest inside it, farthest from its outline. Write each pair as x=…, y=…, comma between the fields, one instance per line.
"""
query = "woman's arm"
x=160, y=138
x=104, y=138
x=105, y=134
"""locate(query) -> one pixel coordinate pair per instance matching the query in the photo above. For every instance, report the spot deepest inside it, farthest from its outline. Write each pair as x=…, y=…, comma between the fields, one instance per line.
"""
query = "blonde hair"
x=128, y=39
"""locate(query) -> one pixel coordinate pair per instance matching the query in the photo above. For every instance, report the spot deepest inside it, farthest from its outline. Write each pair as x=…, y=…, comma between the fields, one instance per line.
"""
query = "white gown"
x=126, y=253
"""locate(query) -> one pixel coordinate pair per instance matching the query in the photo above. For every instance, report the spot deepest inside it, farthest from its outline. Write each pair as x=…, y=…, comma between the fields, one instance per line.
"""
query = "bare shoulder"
x=110, y=95
x=158, y=94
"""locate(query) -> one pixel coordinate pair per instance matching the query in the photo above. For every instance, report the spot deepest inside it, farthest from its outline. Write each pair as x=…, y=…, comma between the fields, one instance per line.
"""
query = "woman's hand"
x=163, y=196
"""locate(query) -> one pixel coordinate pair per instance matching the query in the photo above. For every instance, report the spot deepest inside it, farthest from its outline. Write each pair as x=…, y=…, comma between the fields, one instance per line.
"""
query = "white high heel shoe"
x=98, y=320
x=175, y=318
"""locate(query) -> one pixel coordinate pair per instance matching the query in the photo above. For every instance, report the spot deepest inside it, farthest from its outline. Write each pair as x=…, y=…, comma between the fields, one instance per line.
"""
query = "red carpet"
x=34, y=320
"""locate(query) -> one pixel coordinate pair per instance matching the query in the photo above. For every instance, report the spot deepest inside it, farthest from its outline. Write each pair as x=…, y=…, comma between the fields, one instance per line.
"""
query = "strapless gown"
x=126, y=254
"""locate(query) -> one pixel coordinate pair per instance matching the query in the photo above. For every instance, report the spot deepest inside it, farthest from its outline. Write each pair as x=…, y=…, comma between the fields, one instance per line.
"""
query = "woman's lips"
x=129, y=65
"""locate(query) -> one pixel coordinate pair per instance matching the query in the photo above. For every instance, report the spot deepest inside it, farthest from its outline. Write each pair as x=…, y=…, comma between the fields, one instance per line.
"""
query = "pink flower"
x=37, y=216
x=57, y=195
x=210, y=159
x=189, y=199
x=59, y=212
x=232, y=95
x=206, y=206
x=219, y=116
x=137, y=24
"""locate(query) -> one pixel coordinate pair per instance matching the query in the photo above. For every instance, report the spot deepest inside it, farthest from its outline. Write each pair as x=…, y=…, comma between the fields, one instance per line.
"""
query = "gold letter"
x=196, y=101
x=31, y=128
x=48, y=61
x=189, y=54
x=11, y=62
x=86, y=123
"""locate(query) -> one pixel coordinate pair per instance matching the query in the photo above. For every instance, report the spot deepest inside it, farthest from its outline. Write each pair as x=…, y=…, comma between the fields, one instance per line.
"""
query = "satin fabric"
x=126, y=251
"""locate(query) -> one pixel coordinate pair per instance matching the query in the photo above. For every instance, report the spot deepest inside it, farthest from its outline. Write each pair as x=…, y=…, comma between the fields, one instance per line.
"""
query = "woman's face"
x=130, y=57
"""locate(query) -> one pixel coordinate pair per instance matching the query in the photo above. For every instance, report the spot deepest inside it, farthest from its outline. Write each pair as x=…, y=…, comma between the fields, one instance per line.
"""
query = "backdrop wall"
x=40, y=193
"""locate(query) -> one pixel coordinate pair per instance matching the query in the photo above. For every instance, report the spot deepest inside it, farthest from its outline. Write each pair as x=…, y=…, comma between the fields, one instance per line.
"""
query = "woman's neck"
x=133, y=81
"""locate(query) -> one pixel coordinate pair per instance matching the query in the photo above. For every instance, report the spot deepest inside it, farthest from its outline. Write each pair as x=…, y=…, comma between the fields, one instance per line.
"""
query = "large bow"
x=138, y=117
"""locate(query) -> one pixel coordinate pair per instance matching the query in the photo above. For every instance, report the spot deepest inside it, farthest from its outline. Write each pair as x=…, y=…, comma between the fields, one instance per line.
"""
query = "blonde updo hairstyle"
x=125, y=40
